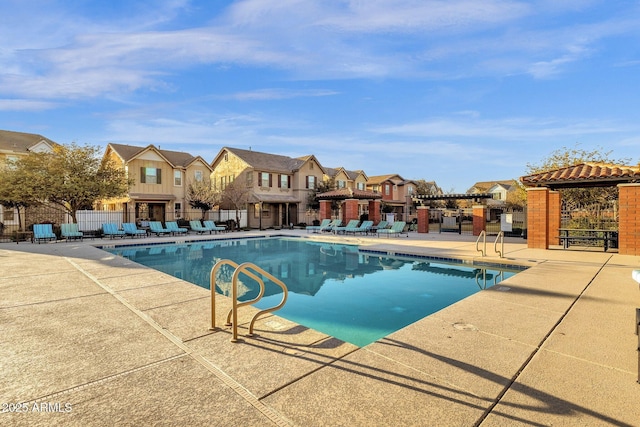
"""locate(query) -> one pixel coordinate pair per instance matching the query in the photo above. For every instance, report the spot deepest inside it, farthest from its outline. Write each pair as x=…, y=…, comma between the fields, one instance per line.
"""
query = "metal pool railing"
x=252, y=271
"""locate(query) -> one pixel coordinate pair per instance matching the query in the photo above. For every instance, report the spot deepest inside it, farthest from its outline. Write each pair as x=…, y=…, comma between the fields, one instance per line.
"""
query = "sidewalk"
x=88, y=338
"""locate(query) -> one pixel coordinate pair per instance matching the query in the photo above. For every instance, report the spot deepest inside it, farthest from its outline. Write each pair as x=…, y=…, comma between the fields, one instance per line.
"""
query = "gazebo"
x=350, y=198
x=544, y=201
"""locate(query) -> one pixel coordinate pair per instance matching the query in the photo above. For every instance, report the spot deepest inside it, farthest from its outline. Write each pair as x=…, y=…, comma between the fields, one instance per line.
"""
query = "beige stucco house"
x=160, y=183
x=277, y=187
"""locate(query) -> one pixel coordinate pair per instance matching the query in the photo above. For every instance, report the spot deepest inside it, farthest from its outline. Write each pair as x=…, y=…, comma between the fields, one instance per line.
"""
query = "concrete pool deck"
x=89, y=338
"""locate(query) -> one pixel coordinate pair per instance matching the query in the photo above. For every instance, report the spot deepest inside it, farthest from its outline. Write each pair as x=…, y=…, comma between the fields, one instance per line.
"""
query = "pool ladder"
x=499, y=239
x=254, y=272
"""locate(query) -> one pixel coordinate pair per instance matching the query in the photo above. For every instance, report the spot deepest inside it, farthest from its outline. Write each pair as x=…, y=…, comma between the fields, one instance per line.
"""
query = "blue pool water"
x=351, y=294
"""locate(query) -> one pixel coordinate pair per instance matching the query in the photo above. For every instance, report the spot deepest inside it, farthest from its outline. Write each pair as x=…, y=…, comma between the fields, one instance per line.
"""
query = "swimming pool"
x=355, y=295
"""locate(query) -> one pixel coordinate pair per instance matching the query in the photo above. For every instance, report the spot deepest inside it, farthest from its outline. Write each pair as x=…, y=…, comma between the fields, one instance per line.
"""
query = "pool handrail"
x=242, y=268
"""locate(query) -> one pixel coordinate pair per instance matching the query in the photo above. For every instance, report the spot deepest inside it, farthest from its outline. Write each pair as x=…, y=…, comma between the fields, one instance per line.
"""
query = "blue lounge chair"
x=110, y=229
x=198, y=228
x=131, y=230
x=380, y=226
x=157, y=228
x=363, y=228
x=397, y=228
x=351, y=224
x=70, y=231
x=329, y=227
x=210, y=225
x=173, y=227
x=43, y=232
x=316, y=228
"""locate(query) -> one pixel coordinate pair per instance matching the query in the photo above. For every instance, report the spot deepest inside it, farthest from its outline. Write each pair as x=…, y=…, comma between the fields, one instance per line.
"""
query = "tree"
x=71, y=177
x=12, y=195
x=237, y=195
x=201, y=195
x=564, y=157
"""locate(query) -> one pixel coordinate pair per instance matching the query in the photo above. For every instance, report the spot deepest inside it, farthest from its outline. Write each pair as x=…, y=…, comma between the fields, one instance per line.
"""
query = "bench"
x=588, y=237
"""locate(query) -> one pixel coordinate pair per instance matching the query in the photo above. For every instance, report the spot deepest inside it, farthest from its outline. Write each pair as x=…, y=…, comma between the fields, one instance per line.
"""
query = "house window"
x=311, y=181
x=249, y=176
x=150, y=175
x=177, y=178
x=198, y=175
x=342, y=184
x=7, y=213
x=360, y=186
x=285, y=181
x=497, y=196
x=409, y=189
x=264, y=179
x=387, y=189
x=223, y=182
x=178, y=209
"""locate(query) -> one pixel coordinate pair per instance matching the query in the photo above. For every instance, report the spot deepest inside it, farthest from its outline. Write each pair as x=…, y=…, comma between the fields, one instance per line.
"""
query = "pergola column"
x=349, y=210
x=629, y=219
x=423, y=219
x=325, y=209
x=538, y=218
x=555, y=217
x=374, y=211
x=479, y=219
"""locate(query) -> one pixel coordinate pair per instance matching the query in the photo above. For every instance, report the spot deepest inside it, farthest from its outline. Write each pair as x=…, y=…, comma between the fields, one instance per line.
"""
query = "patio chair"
x=351, y=224
x=329, y=227
x=210, y=225
x=198, y=228
x=174, y=228
x=380, y=226
x=130, y=229
x=397, y=228
x=157, y=228
x=70, y=231
x=316, y=228
x=363, y=228
x=43, y=232
x=110, y=229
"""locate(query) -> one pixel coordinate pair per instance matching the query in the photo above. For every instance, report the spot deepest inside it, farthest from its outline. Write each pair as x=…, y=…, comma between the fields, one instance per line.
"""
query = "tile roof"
x=20, y=142
x=349, y=193
x=587, y=174
x=269, y=162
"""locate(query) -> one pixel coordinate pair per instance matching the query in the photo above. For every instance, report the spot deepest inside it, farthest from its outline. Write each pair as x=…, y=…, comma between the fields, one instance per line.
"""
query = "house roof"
x=349, y=193
x=271, y=162
x=352, y=175
x=175, y=158
x=486, y=185
x=20, y=142
x=590, y=174
x=378, y=179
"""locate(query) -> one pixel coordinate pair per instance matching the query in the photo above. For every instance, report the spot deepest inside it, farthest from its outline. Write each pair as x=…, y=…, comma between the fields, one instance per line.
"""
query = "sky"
x=451, y=91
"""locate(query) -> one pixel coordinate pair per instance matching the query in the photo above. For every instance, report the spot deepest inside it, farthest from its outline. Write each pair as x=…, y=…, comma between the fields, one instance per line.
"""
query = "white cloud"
x=26, y=105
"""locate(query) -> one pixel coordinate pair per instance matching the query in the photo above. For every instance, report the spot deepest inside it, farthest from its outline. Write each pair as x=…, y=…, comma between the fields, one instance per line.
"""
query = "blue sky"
x=454, y=91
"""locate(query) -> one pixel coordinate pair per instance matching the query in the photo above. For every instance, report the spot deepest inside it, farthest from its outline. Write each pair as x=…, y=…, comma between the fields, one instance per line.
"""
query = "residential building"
x=397, y=194
x=161, y=178
x=275, y=188
x=14, y=145
x=498, y=189
x=353, y=180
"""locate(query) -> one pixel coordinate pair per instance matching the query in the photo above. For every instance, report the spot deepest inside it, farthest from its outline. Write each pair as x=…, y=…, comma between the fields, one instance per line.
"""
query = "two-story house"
x=161, y=178
x=346, y=179
x=14, y=145
x=277, y=187
x=397, y=194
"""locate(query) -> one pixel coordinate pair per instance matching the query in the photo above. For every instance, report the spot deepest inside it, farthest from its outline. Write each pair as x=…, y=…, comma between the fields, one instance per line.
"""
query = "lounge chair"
x=70, y=231
x=130, y=229
x=43, y=232
x=380, y=226
x=210, y=225
x=157, y=228
x=316, y=228
x=351, y=224
x=198, y=228
x=363, y=228
x=173, y=226
x=329, y=227
x=397, y=228
x=110, y=229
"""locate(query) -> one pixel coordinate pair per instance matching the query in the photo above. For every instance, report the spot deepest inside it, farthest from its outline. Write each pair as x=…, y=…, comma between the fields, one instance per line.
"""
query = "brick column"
x=423, y=219
x=349, y=210
x=629, y=219
x=325, y=209
x=374, y=211
x=479, y=219
x=555, y=216
x=538, y=218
